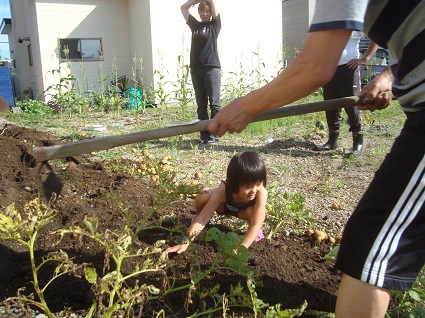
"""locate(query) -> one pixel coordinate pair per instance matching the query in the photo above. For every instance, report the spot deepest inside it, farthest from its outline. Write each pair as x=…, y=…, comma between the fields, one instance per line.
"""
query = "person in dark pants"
x=343, y=84
x=205, y=67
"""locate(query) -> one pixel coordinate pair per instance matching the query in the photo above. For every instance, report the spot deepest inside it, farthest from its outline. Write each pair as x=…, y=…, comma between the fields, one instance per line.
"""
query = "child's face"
x=248, y=192
x=205, y=13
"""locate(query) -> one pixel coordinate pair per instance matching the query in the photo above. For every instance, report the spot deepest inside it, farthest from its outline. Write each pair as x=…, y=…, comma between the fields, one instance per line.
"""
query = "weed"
x=34, y=108
x=25, y=228
x=332, y=254
x=285, y=208
x=410, y=303
x=116, y=291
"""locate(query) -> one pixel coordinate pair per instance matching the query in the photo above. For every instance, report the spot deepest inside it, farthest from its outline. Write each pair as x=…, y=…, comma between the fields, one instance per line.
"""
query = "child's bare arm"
x=257, y=219
x=201, y=220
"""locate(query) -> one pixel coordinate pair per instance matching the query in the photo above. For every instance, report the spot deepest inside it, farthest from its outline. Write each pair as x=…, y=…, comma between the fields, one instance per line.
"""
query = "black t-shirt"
x=204, y=50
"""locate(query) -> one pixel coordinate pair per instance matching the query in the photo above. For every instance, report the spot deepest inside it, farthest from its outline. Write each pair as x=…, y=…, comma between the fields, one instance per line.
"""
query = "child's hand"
x=177, y=248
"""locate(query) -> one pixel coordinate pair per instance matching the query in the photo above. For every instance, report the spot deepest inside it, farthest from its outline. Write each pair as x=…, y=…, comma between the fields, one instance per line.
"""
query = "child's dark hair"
x=245, y=168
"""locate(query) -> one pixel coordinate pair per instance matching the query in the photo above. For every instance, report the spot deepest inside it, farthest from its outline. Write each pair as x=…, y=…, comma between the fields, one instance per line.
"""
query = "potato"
x=319, y=236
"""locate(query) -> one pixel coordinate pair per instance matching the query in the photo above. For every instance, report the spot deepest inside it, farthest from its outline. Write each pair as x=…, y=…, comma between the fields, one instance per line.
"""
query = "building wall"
x=296, y=17
x=105, y=19
x=142, y=36
x=251, y=37
x=140, y=33
x=20, y=11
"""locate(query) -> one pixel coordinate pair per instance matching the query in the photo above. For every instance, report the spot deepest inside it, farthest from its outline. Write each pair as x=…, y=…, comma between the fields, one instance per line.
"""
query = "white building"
x=106, y=37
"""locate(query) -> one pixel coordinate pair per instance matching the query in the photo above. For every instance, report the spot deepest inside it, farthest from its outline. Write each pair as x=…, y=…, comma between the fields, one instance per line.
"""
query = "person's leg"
x=355, y=120
x=333, y=117
x=201, y=97
x=360, y=299
x=213, y=86
x=331, y=90
x=212, y=82
x=382, y=243
x=355, y=116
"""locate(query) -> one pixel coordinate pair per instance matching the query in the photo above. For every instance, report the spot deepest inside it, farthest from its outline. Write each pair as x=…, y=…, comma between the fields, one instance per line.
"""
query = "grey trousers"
x=206, y=83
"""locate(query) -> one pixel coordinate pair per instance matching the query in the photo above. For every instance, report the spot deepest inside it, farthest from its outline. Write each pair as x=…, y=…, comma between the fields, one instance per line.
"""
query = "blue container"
x=135, y=99
x=6, y=86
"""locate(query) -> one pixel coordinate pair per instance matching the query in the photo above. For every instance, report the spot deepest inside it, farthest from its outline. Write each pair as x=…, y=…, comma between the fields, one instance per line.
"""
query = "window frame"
x=75, y=54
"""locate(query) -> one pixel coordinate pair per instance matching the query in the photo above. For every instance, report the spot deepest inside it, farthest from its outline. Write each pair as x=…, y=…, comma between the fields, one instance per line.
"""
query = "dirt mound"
x=291, y=268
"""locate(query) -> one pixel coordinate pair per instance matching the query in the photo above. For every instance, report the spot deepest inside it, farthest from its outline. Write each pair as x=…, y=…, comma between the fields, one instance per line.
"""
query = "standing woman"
x=205, y=67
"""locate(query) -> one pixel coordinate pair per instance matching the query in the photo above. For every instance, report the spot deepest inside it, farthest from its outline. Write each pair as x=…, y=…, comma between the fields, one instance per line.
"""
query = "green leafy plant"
x=183, y=89
x=230, y=256
x=271, y=311
x=34, y=107
x=286, y=208
x=114, y=290
x=160, y=92
x=332, y=254
x=25, y=228
x=410, y=303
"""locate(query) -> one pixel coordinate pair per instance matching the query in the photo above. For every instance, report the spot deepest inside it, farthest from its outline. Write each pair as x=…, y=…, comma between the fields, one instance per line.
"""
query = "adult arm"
x=201, y=220
x=371, y=49
x=312, y=68
x=186, y=6
x=214, y=8
x=257, y=219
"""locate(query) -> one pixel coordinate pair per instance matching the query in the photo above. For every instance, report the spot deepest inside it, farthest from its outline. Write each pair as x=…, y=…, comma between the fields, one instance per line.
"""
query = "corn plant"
x=63, y=92
x=258, y=79
x=160, y=92
x=183, y=89
x=100, y=89
x=236, y=83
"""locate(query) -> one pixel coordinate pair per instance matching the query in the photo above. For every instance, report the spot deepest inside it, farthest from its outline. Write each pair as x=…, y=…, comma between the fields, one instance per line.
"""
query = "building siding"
x=152, y=31
x=296, y=17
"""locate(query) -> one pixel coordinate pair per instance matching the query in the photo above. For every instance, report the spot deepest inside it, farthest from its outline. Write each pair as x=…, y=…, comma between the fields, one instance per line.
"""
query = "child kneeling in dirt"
x=243, y=194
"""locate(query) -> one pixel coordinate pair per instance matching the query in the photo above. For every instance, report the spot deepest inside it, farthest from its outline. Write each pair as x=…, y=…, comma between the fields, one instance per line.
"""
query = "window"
x=81, y=49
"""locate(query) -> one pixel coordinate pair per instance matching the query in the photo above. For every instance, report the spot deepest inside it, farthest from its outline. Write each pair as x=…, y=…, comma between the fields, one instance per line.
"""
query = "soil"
x=291, y=268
